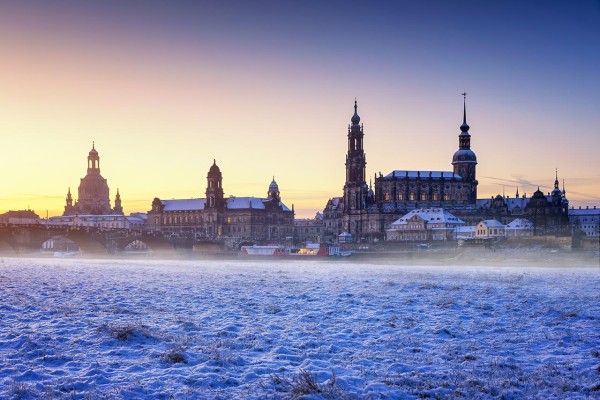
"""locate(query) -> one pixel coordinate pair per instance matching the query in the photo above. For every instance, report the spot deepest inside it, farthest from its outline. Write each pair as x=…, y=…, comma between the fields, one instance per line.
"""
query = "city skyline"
x=268, y=89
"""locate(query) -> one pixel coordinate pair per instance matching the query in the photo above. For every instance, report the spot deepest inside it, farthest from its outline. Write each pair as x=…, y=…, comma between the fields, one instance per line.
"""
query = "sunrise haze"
x=267, y=89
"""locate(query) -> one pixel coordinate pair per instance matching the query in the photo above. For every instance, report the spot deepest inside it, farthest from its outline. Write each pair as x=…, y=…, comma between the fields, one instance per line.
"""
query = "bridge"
x=97, y=242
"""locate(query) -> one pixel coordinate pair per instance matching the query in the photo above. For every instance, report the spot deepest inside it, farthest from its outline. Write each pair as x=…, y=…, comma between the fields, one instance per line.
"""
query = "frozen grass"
x=73, y=329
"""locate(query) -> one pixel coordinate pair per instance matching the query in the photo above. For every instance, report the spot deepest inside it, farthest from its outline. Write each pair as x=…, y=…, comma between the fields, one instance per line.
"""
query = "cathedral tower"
x=118, y=207
x=69, y=205
x=214, y=189
x=465, y=160
x=273, y=193
x=355, y=188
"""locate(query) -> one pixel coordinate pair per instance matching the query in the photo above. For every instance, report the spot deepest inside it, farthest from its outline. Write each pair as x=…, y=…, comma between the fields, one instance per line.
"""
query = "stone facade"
x=586, y=220
x=245, y=218
x=365, y=213
x=309, y=229
x=333, y=215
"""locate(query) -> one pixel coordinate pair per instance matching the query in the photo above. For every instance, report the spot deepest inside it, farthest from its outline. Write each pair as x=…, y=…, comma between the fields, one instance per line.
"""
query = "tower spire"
x=355, y=118
x=464, y=127
x=556, y=180
x=118, y=207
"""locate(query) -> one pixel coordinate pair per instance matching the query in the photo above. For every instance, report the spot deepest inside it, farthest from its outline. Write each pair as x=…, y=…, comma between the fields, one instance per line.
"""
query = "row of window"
x=417, y=236
x=423, y=197
x=199, y=219
x=492, y=231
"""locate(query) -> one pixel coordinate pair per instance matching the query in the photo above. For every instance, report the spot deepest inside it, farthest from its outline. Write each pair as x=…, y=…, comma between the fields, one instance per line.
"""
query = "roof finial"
x=93, y=144
x=464, y=95
x=517, y=195
x=464, y=127
x=564, y=192
x=556, y=180
x=355, y=118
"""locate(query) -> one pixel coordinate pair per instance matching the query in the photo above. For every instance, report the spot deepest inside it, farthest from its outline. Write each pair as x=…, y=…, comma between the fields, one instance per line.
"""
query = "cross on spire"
x=464, y=95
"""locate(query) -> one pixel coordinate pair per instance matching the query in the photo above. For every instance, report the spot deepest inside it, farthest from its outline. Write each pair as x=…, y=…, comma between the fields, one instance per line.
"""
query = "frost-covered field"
x=152, y=329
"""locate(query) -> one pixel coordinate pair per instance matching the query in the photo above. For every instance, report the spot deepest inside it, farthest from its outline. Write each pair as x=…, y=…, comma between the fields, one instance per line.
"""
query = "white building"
x=489, y=229
x=465, y=232
x=424, y=224
x=519, y=228
x=587, y=220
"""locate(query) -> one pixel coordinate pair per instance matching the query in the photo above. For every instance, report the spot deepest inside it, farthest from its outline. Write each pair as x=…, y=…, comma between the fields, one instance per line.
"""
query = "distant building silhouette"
x=26, y=217
x=363, y=213
x=93, y=193
x=247, y=218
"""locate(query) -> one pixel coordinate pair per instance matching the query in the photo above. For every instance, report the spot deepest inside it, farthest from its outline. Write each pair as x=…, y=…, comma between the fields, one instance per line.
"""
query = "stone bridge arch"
x=146, y=244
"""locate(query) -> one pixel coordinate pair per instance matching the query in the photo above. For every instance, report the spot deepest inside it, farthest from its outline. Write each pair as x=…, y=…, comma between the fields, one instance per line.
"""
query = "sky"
x=267, y=88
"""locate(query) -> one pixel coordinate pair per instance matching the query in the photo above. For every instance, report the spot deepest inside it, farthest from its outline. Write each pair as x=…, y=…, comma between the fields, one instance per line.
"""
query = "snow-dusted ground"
x=202, y=329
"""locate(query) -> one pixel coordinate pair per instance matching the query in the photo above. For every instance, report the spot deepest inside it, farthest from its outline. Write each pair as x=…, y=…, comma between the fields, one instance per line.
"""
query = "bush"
x=305, y=383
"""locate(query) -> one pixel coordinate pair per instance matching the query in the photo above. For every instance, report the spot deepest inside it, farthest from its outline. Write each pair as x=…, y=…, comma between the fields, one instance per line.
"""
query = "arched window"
x=400, y=196
x=423, y=196
x=412, y=196
x=387, y=196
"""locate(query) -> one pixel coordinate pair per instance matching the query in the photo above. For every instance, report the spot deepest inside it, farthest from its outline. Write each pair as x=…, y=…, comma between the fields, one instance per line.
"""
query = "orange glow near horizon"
x=160, y=108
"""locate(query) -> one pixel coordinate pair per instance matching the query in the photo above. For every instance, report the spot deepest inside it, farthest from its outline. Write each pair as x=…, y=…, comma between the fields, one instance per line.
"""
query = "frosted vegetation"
x=76, y=329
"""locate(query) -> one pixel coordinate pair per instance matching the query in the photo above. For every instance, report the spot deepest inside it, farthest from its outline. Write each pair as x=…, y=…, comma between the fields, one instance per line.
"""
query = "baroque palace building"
x=93, y=194
x=363, y=214
x=246, y=218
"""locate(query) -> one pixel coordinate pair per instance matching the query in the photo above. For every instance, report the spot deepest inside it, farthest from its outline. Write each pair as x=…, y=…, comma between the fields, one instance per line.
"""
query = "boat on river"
x=309, y=250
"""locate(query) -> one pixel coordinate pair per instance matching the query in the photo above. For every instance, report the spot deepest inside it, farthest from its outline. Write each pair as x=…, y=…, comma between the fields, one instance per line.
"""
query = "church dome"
x=93, y=186
x=93, y=195
x=93, y=151
x=557, y=192
x=464, y=156
x=273, y=187
x=538, y=194
x=355, y=118
x=214, y=169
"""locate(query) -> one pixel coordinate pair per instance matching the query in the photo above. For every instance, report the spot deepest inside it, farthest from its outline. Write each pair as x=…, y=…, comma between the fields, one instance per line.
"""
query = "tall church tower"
x=214, y=189
x=118, y=207
x=273, y=193
x=465, y=160
x=355, y=188
x=69, y=205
